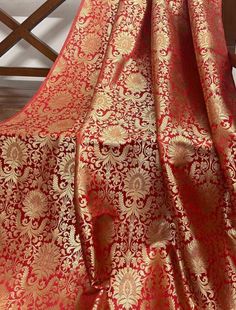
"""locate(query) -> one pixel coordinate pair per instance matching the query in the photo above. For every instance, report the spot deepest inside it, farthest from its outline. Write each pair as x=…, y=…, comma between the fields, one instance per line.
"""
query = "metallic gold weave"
x=118, y=179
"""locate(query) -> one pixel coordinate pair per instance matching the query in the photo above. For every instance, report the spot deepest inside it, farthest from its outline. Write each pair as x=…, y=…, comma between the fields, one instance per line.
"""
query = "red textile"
x=118, y=179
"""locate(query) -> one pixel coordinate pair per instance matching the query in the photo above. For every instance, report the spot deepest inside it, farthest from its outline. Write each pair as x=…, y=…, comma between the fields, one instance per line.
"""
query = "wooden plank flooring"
x=14, y=97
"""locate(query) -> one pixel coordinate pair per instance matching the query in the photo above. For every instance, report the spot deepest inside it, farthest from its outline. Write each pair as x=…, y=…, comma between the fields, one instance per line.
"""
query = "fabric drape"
x=118, y=178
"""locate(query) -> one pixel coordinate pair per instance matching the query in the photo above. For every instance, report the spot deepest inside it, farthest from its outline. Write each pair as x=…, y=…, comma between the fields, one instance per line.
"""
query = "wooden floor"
x=14, y=96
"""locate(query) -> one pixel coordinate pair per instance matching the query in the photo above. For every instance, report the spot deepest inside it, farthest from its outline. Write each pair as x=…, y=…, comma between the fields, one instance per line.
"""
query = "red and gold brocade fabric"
x=118, y=179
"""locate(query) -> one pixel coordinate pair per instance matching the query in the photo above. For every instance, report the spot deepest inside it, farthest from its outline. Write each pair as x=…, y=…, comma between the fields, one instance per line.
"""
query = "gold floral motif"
x=162, y=41
x=180, y=151
x=35, y=204
x=124, y=43
x=196, y=263
x=67, y=167
x=93, y=78
x=91, y=44
x=110, y=2
x=134, y=208
x=141, y=3
x=46, y=260
x=204, y=39
x=109, y=155
x=176, y=6
x=60, y=100
x=127, y=287
x=86, y=8
x=149, y=116
x=14, y=152
x=66, y=171
x=61, y=125
x=114, y=135
x=102, y=101
x=137, y=183
x=136, y=82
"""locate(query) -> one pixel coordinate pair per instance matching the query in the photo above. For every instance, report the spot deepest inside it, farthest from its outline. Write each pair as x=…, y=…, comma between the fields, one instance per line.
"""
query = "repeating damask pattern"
x=118, y=179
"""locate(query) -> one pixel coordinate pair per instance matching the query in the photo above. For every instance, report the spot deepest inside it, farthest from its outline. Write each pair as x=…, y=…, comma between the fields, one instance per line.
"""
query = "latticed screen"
x=23, y=31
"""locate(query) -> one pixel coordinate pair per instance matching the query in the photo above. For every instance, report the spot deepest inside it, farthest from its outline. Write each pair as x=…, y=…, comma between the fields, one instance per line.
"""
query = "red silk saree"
x=118, y=179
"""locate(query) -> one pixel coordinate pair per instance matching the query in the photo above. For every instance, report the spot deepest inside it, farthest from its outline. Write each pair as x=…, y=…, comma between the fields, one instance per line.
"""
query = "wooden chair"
x=23, y=31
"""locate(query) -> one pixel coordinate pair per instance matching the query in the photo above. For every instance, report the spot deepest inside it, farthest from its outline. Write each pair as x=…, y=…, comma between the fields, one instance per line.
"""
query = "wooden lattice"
x=23, y=31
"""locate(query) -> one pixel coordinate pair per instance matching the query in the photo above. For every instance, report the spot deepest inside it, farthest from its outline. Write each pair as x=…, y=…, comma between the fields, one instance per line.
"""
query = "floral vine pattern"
x=118, y=178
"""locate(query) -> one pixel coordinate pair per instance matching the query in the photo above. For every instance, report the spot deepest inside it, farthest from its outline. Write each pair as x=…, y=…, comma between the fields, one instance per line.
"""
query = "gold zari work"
x=118, y=179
